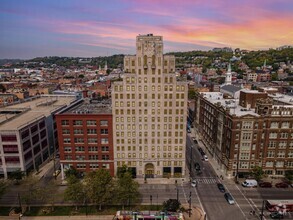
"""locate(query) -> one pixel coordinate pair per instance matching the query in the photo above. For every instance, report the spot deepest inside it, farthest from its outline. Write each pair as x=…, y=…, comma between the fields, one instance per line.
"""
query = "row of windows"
x=147, y=140
x=152, y=119
x=81, y=131
x=280, y=144
x=153, y=79
x=89, y=140
x=159, y=163
x=153, y=148
x=90, y=157
x=145, y=88
x=152, y=104
x=88, y=122
x=274, y=135
x=153, y=155
x=279, y=154
x=152, y=96
x=91, y=166
x=148, y=110
x=83, y=148
x=153, y=133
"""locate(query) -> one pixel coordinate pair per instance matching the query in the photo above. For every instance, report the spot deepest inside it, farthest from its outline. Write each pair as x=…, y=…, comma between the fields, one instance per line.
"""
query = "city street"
x=213, y=201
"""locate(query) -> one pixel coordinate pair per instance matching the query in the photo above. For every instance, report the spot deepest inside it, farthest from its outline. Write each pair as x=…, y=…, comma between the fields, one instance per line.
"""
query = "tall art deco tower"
x=149, y=113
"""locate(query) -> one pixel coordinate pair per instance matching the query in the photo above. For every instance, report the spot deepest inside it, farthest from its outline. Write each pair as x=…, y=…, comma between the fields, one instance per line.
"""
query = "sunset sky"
x=90, y=28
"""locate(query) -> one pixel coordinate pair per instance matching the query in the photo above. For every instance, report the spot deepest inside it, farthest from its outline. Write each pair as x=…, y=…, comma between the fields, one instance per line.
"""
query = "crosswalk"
x=207, y=180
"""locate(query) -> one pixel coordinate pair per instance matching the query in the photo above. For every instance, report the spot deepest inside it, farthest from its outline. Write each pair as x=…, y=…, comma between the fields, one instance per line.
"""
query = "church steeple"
x=228, y=79
x=106, y=66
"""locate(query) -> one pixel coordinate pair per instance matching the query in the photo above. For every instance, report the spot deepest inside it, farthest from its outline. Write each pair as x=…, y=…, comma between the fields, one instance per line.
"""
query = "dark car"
x=265, y=185
x=221, y=187
x=276, y=215
x=282, y=185
x=194, y=140
x=229, y=198
x=197, y=166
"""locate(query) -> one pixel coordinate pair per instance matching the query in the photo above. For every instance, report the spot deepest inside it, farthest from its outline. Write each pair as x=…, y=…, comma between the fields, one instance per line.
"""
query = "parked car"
x=197, y=166
x=56, y=173
x=265, y=185
x=282, y=185
x=194, y=140
x=188, y=130
x=221, y=187
x=249, y=183
x=276, y=215
x=193, y=183
x=229, y=198
x=205, y=158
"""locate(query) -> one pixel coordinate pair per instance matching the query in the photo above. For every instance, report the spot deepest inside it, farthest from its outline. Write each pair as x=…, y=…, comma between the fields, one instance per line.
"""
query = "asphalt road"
x=212, y=200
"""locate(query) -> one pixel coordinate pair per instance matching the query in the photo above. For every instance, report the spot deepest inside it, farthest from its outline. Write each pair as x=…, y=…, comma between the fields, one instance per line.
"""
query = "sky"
x=91, y=28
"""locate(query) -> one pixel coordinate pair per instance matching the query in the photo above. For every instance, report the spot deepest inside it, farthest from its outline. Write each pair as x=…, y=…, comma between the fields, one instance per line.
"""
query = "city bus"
x=273, y=205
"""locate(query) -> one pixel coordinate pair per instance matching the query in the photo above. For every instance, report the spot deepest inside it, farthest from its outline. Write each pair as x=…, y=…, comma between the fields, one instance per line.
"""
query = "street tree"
x=16, y=175
x=257, y=172
x=171, y=205
x=3, y=186
x=289, y=175
x=75, y=192
x=126, y=189
x=71, y=172
x=99, y=186
x=32, y=191
x=50, y=194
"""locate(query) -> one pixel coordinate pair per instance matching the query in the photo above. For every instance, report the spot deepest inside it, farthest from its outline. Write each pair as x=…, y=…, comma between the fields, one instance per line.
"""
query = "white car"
x=205, y=158
x=193, y=183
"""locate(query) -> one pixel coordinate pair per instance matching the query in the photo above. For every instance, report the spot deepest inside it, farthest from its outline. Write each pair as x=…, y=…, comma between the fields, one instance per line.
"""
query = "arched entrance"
x=149, y=170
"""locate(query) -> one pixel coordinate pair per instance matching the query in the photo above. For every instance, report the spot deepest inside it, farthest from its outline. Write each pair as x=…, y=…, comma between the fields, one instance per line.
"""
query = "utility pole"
x=262, y=208
x=190, y=164
x=189, y=214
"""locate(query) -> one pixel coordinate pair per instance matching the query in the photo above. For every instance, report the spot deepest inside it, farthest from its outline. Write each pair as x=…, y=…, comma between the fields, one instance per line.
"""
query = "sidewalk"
x=196, y=213
x=77, y=217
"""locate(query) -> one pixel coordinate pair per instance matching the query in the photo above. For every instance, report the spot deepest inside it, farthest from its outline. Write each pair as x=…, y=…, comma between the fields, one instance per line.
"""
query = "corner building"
x=149, y=113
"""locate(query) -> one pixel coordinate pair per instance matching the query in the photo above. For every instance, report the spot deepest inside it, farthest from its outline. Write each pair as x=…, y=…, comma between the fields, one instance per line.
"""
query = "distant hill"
x=205, y=58
x=12, y=61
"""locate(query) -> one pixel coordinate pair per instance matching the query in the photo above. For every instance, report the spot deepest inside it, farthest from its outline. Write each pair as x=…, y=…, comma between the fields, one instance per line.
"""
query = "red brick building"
x=85, y=136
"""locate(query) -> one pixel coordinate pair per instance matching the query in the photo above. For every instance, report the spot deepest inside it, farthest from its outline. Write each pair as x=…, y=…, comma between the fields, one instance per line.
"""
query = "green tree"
x=71, y=172
x=99, y=186
x=3, y=186
x=257, y=172
x=289, y=175
x=126, y=189
x=75, y=192
x=122, y=170
x=81, y=76
x=16, y=175
x=33, y=191
x=191, y=94
x=49, y=194
x=171, y=205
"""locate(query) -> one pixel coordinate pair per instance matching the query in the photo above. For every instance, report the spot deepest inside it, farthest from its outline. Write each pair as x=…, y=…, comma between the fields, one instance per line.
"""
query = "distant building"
x=28, y=135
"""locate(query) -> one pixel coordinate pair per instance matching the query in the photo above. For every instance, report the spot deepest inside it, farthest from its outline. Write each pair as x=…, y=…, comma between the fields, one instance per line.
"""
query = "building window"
x=91, y=122
x=95, y=149
x=105, y=149
x=91, y=131
x=104, y=131
x=104, y=141
x=105, y=157
x=92, y=140
x=79, y=149
x=93, y=157
x=78, y=140
x=103, y=123
x=78, y=131
x=8, y=138
x=77, y=122
x=65, y=131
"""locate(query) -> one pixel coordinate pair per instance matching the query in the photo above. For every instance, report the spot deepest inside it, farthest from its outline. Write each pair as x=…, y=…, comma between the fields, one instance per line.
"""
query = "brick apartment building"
x=255, y=130
x=28, y=133
x=85, y=136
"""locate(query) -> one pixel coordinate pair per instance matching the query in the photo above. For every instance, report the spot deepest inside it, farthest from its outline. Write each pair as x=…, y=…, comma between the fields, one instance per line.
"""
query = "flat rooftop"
x=91, y=106
x=15, y=116
x=281, y=98
x=235, y=108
